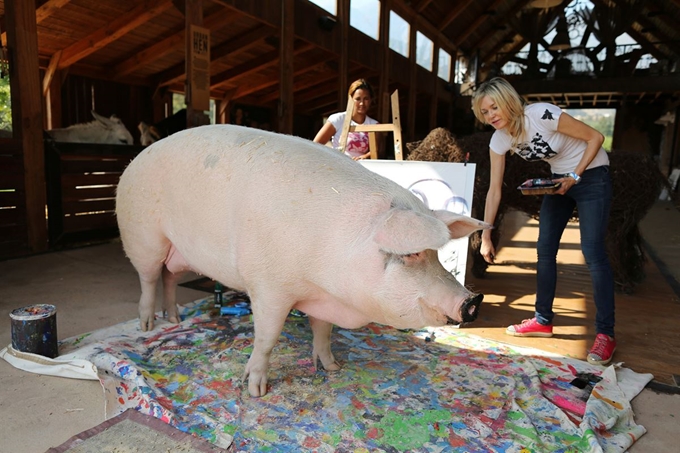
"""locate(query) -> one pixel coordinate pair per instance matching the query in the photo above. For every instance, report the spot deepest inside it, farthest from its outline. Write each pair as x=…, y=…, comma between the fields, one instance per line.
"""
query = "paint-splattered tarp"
x=396, y=392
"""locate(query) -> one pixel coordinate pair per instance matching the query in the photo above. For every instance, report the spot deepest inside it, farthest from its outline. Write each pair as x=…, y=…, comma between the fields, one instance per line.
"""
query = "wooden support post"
x=435, y=93
x=193, y=15
x=286, y=107
x=384, y=41
x=343, y=64
x=413, y=80
x=51, y=86
x=223, y=107
x=27, y=122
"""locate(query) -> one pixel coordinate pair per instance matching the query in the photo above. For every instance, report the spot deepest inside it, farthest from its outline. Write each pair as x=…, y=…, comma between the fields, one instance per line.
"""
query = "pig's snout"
x=470, y=308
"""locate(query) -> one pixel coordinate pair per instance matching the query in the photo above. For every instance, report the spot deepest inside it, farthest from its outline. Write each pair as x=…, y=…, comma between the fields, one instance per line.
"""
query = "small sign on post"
x=198, y=97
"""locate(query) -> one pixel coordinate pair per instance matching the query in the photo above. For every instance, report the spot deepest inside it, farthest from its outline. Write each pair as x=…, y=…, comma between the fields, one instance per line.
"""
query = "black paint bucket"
x=34, y=330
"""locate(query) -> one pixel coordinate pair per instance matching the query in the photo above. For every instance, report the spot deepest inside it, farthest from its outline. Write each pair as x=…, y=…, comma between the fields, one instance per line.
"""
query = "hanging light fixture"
x=544, y=3
x=561, y=41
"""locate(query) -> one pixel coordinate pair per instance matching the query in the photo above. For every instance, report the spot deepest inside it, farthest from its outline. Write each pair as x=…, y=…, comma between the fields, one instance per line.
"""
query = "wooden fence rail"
x=81, y=189
x=13, y=228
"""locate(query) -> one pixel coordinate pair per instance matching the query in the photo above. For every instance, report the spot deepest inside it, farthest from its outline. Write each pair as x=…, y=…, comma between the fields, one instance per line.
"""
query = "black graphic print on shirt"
x=547, y=115
x=538, y=149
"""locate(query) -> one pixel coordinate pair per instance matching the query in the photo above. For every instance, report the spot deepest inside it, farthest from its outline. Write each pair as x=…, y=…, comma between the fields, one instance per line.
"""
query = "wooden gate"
x=81, y=189
x=13, y=226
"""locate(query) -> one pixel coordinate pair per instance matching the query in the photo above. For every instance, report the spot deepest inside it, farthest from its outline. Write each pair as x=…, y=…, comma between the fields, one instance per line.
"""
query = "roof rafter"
x=305, y=67
x=256, y=64
x=238, y=44
x=175, y=41
x=644, y=22
x=42, y=12
x=455, y=12
x=113, y=31
x=474, y=25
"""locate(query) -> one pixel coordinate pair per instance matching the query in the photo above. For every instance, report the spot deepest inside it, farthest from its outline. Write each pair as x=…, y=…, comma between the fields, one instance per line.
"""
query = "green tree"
x=5, y=104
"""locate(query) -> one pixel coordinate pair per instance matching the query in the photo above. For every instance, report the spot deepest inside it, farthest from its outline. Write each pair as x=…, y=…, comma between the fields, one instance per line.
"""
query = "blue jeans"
x=592, y=198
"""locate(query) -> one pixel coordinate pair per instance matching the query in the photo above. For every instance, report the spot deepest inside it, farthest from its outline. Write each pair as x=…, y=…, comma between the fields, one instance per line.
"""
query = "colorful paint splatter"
x=397, y=391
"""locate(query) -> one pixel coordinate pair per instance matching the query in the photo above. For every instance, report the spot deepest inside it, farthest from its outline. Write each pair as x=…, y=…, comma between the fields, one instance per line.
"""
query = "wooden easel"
x=371, y=129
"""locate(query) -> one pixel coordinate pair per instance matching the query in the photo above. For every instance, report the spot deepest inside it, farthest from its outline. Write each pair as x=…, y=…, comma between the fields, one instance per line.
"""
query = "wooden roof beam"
x=657, y=7
x=646, y=45
x=305, y=67
x=645, y=22
x=114, y=30
x=322, y=84
x=256, y=64
x=327, y=103
x=510, y=53
x=424, y=26
x=475, y=25
x=422, y=4
x=42, y=12
x=499, y=45
x=238, y=44
x=458, y=8
x=51, y=70
x=175, y=41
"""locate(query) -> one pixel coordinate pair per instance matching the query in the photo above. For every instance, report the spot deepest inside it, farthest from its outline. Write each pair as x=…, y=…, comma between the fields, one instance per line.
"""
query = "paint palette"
x=539, y=186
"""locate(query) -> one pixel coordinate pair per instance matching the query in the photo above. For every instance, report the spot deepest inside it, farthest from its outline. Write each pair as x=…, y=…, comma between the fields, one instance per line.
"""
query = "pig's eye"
x=411, y=257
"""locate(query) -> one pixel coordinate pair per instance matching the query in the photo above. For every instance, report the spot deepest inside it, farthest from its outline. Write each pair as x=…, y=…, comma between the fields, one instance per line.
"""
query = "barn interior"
x=285, y=66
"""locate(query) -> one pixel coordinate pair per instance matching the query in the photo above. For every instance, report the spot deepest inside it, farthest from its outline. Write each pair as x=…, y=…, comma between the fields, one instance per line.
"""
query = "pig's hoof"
x=470, y=308
x=335, y=366
x=146, y=324
x=173, y=319
x=257, y=387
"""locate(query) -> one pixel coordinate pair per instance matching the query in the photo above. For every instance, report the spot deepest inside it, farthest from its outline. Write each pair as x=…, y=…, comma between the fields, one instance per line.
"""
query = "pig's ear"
x=403, y=232
x=461, y=225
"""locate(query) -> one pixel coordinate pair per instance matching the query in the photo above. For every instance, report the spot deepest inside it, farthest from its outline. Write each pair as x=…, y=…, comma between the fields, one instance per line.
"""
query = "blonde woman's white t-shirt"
x=357, y=142
x=544, y=142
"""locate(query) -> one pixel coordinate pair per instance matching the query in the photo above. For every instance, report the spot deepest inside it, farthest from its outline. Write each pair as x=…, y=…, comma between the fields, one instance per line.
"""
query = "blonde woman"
x=357, y=142
x=579, y=163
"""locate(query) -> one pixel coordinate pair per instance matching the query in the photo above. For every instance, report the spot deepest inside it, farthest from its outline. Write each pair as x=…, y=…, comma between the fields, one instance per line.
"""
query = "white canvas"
x=440, y=185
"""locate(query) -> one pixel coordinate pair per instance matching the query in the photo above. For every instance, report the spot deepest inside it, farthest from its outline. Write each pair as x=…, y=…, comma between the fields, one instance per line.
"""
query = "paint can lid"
x=33, y=312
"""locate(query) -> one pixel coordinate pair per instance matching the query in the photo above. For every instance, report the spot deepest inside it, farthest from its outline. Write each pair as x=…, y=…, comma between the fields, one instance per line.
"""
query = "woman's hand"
x=362, y=157
x=566, y=184
x=487, y=249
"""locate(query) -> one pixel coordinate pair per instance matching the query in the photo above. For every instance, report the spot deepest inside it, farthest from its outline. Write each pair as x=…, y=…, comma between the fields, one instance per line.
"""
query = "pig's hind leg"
x=148, y=252
x=147, y=301
x=322, y=344
x=170, y=280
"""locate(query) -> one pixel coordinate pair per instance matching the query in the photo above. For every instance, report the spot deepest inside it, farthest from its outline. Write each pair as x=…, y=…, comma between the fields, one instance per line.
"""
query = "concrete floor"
x=95, y=287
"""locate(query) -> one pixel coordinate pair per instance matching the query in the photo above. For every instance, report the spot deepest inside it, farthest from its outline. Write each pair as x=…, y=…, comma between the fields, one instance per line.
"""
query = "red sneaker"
x=530, y=328
x=602, y=351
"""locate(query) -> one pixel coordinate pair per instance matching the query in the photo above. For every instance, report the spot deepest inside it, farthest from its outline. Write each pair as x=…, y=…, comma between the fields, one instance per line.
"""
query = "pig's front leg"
x=322, y=344
x=268, y=323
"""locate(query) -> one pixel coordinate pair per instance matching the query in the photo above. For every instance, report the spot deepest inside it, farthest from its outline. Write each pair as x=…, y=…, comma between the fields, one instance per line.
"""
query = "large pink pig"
x=295, y=225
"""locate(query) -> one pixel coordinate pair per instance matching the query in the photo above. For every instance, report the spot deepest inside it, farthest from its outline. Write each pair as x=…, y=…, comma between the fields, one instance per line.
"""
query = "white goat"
x=101, y=130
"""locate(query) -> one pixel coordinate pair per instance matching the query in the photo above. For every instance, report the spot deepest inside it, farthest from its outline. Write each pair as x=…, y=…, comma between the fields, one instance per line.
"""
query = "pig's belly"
x=336, y=312
x=175, y=262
